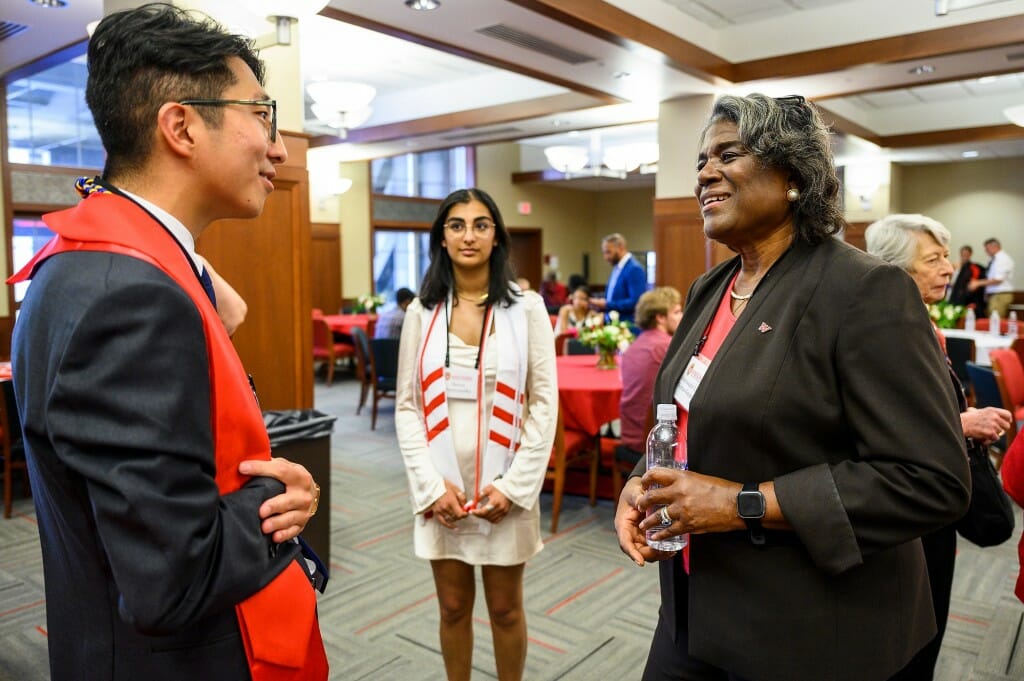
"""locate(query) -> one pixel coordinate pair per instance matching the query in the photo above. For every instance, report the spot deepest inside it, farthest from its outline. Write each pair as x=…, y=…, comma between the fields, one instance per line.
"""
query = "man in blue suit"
x=627, y=282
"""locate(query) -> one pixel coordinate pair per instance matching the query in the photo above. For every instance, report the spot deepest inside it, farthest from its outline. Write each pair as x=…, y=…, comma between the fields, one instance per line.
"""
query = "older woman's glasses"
x=481, y=227
x=270, y=106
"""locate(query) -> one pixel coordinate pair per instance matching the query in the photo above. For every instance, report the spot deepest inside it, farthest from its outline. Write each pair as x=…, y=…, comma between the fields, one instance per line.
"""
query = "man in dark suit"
x=627, y=282
x=168, y=533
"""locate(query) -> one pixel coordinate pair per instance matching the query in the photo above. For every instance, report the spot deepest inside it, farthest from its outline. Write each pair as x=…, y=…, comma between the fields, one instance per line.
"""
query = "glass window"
x=29, y=235
x=399, y=259
x=48, y=122
x=427, y=174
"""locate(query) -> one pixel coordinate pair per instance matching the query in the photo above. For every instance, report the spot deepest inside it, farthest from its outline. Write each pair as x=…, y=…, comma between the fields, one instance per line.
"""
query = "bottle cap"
x=666, y=412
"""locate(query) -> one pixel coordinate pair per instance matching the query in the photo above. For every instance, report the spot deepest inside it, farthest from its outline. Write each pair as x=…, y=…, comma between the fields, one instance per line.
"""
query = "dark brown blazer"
x=831, y=385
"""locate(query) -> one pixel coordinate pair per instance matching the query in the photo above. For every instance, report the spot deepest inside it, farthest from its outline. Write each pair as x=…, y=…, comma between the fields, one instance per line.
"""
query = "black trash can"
x=304, y=437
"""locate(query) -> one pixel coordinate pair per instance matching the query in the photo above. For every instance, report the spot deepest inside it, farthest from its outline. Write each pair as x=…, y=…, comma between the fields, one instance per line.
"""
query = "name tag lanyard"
x=484, y=331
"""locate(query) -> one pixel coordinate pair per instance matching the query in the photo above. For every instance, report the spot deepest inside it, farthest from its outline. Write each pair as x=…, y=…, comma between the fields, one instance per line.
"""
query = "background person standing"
x=626, y=283
x=998, y=281
x=968, y=271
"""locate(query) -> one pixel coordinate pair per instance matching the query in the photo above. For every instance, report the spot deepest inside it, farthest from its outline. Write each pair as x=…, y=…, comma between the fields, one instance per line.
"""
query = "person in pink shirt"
x=657, y=313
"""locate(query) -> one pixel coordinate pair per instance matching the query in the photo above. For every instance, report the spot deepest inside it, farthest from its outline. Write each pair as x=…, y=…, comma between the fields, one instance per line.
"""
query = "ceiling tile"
x=889, y=99
x=942, y=92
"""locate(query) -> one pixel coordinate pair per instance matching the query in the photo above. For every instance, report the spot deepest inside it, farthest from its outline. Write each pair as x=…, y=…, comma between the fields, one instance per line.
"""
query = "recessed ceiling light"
x=422, y=5
x=49, y=3
x=970, y=154
x=921, y=70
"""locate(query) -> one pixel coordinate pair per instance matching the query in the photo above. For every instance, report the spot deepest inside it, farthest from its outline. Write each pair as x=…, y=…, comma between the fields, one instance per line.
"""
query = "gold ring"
x=316, y=500
x=663, y=515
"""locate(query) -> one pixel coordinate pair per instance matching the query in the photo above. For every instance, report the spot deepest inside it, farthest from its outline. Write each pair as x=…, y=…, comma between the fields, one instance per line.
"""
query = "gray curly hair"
x=788, y=133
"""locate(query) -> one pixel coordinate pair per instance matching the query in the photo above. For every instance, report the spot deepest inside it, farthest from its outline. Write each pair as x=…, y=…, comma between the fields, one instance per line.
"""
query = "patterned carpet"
x=590, y=611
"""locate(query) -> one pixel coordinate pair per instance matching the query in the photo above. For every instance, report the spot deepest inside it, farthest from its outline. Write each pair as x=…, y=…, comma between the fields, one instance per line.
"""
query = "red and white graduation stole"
x=504, y=422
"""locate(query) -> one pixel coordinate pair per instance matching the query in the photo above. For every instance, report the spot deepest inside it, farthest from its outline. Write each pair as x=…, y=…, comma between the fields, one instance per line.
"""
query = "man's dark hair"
x=404, y=295
x=992, y=240
x=439, y=279
x=140, y=59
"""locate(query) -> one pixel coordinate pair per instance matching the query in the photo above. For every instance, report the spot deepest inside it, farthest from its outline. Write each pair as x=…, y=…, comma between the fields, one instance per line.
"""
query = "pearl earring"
x=792, y=195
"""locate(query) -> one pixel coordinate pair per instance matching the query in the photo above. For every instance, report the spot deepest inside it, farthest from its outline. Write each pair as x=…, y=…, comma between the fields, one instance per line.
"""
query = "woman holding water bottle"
x=819, y=427
x=476, y=411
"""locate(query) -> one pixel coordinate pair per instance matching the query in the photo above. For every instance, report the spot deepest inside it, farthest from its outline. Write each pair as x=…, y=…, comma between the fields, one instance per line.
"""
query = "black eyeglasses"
x=271, y=125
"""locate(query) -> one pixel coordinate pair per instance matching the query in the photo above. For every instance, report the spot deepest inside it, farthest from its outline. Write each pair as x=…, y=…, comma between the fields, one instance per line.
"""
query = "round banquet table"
x=589, y=397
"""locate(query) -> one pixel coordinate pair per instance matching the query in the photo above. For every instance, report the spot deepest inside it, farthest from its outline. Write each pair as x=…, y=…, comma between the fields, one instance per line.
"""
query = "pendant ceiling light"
x=342, y=105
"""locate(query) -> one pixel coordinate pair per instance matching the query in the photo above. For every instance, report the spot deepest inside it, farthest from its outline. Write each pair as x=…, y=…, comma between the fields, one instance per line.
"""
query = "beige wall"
x=974, y=199
x=354, y=211
x=573, y=221
x=630, y=212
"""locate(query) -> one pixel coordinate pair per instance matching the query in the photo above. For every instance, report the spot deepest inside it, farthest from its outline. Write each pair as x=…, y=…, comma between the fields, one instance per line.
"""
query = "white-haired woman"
x=920, y=245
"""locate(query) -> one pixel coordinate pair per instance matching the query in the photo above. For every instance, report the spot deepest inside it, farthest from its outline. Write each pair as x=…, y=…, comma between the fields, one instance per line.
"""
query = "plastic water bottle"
x=662, y=444
x=1011, y=324
x=993, y=323
x=969, y=320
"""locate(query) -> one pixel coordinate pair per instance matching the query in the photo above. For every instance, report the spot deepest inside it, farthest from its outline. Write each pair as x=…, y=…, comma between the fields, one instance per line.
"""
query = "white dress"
x=517, y=537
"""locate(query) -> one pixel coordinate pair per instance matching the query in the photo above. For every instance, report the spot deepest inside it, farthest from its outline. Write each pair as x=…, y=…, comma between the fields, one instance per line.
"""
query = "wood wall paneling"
x=268, y=260
x=325, y=259
x=853, y=234
x=526, y=253
x=683, y=251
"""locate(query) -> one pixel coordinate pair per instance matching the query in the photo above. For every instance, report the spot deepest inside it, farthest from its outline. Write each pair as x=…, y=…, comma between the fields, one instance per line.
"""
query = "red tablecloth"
x=589, y=397
x=343, y=323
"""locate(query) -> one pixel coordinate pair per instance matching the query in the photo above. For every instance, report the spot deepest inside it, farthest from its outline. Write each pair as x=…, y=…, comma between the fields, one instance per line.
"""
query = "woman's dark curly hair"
x=788, y=133
x=439, y=279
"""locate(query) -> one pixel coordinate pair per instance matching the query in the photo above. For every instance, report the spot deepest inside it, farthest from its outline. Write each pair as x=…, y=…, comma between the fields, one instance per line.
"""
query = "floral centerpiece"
x=945, y=314
x=369, y=302
x=615, y=336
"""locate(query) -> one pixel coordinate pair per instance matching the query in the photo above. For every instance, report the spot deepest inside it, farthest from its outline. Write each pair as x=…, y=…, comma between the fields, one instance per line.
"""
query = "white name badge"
x=461, y=383
x=693, y=374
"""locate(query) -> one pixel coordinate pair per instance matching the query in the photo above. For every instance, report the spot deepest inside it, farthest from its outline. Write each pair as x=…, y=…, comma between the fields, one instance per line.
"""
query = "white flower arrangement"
x=615, y=335
x=369, y=302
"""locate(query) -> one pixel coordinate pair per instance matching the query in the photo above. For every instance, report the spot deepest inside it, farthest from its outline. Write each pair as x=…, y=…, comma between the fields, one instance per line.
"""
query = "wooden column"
x=267, y=260
x=683, y=251
x=326, y=267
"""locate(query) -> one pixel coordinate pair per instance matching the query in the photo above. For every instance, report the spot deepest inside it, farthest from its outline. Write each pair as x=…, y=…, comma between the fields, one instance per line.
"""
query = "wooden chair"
x=383, y=371
x=622, y=459
x=363, y=371
x=326, y=350
x=11, y=440
x=571, y=447
x=561, y=340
